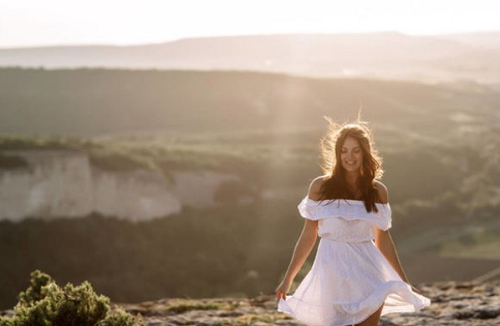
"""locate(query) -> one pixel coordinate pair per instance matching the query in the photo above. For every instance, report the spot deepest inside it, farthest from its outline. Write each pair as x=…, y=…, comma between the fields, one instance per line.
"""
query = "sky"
x=25, y=23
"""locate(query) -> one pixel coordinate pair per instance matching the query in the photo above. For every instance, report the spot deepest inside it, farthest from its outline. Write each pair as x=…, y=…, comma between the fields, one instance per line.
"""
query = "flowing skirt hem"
x=342, y=314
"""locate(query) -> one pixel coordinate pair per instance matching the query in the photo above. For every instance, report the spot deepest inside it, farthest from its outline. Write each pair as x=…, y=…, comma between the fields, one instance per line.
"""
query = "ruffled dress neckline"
x=350, y=201
x=347, y=209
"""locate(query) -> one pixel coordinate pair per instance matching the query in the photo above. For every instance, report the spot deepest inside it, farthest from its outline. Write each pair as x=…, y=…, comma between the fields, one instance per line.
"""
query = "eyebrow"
x=352, y=148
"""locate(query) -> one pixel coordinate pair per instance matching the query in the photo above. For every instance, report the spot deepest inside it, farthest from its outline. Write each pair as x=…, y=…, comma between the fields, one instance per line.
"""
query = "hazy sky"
x=53, y=22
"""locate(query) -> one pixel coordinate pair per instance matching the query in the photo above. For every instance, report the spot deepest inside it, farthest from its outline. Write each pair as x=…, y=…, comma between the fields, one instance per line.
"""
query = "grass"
x=479, y=244
x=179, y=306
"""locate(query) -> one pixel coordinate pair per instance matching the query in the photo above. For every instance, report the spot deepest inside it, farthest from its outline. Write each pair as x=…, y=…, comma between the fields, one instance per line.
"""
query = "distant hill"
x=482, y=40
x=389, y=55
x=98, y=102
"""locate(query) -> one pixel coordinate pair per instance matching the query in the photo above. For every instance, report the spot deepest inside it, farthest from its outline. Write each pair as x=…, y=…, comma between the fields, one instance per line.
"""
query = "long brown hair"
x=335, y=184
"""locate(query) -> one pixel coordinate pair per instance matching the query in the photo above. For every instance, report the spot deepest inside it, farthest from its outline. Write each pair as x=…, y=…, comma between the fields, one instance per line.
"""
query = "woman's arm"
x=307, y=238
x=383, y=239
x=303, y=248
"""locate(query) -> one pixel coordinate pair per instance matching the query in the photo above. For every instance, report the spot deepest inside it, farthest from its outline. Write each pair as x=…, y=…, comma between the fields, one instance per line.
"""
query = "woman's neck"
x=352, y=179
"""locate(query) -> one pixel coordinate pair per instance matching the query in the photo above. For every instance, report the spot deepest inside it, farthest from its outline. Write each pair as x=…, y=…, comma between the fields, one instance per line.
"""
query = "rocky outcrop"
x=452, y=303
x=60, y=183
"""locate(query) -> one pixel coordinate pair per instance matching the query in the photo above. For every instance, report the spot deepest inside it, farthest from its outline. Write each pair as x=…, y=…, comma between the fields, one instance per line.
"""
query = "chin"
x=352, y=169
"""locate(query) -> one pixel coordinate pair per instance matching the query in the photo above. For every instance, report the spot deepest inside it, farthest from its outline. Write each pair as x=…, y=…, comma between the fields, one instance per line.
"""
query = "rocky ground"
x=452, y=303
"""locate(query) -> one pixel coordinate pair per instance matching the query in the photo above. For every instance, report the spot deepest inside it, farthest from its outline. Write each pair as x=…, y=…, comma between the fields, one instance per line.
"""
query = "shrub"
x=44, y=303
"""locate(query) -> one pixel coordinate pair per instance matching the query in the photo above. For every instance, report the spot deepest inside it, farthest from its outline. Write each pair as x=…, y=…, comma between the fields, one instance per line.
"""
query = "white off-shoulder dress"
x=350, y=277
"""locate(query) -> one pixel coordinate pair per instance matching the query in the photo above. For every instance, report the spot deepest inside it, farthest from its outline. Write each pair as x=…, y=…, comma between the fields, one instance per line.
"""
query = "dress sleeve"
x=307, y=209
x=387, y=217
x=388, y=225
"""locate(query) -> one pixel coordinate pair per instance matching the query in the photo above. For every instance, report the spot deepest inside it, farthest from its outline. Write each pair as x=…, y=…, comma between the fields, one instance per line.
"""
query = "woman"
x=356, y=276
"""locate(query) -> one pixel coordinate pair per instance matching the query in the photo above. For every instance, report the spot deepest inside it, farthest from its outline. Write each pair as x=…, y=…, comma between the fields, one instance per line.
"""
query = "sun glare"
x=28, y=22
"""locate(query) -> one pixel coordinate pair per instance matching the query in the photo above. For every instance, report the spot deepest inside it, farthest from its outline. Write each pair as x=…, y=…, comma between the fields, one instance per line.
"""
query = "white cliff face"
x=56, y=184
x=133, y=195
x=64, y=184
x=197, y=188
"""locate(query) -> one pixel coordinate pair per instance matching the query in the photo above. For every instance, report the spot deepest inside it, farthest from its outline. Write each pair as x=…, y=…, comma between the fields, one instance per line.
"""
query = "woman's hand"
x=415, y=289
x=283, y=288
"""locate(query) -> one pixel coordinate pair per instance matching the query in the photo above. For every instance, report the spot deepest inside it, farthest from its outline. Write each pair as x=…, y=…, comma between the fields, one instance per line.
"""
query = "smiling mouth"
x=350, y=163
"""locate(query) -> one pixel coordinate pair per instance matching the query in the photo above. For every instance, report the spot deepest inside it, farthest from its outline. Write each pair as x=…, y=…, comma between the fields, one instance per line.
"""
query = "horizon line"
x=59, y=45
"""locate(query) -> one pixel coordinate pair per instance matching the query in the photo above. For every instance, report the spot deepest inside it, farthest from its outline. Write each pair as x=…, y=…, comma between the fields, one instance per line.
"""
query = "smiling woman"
x=356, y=276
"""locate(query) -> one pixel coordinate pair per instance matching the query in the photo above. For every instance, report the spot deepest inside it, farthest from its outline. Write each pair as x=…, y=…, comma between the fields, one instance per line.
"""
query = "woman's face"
x=351, y=155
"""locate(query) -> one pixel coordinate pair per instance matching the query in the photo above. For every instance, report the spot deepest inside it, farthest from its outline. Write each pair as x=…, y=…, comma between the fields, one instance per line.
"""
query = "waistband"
x=347, y=241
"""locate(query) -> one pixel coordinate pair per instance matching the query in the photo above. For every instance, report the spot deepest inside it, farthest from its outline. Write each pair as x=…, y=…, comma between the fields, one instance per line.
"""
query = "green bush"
x=44, y=303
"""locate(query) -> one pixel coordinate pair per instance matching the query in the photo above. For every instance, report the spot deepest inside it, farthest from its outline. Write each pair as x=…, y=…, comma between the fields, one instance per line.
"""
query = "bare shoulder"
x=382, y=191
x=315, y=187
